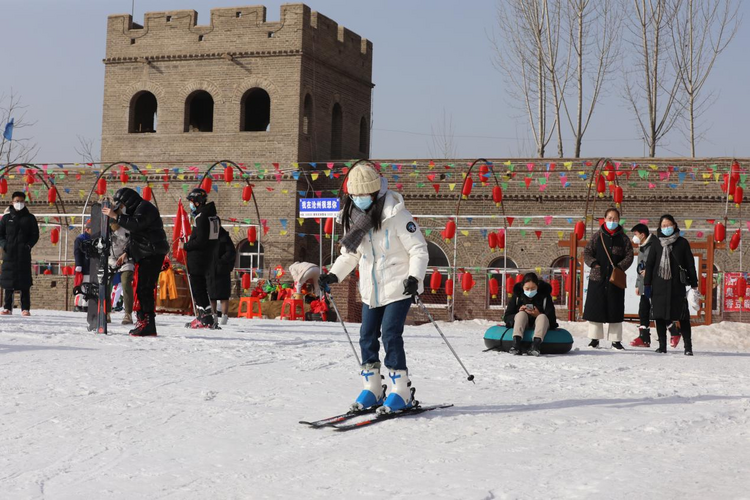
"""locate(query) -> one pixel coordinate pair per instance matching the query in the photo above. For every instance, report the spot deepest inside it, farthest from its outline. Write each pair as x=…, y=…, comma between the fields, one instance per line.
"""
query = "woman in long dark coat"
x=605, y=302
x=220, y=275
x=670, y=268
x=19, y=232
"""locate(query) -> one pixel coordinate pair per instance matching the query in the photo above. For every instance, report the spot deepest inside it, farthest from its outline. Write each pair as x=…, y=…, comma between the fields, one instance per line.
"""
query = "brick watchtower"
x=239, y=88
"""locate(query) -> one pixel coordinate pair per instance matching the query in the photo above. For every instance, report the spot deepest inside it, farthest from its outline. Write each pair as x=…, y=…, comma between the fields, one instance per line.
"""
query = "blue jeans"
x=388, y=320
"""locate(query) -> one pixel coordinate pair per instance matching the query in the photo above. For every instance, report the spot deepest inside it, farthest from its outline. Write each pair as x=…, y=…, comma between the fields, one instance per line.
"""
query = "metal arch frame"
x=59, y=202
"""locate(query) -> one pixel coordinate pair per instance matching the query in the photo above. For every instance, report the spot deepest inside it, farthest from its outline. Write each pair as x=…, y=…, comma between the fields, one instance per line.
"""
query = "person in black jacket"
x=670, y=268
x=19, y=232
x=605, y=302
x=147, y=247
x=200, y=254
x=530, y=307
x=220, y=278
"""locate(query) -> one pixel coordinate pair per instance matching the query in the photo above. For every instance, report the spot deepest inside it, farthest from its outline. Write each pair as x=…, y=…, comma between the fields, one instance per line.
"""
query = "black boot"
x=146, y=326
x=516, y=349
x=534, y=351
x=645, y=335
x=687, y=338
x=662, y=342
x=618, y=346
x=594, y=343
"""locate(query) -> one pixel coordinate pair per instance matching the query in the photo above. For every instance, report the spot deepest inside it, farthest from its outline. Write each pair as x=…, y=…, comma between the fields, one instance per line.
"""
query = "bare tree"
x=20, y=149
x=443, y=139
x=653, y=90
x=702, y=30
x=595, y=31
x=86, y=150
x=524, y=59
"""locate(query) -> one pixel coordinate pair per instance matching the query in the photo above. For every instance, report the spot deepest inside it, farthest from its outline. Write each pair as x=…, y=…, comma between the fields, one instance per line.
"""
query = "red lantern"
x=494, y=287
x=739, y=194
x=601, y=186
x=228, y=174
x=3, y=186
x=732, y=187
x=247, y=193
x=497, y=195
x=484, y=173
x=252, y=235
x=54, y=235
x=735, y=241
x=510, y=282
x=30, y=177
x=328, y=227
x=720, y=233
x=468, y=184
x=703, y=285
x=610, y=172
x=450, y=230
x=618, y=195
x=567, y=283
x=206, y=183
x=741, y=288
x=735, y=171
x=435, y=281
x=519, y=278
x=147, y=194
x=52, y=195
x=580, y=230
x=245, y=281
x=101, y=186
x=492, y=241
x=449, y=288
x=555, y=289
x=467, y=283
x=48, y=271
x=124, y=177
x=501, y=239
x=725, y=184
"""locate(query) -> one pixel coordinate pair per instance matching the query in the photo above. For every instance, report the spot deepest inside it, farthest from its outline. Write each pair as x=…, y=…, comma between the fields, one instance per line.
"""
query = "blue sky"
x=429, y=55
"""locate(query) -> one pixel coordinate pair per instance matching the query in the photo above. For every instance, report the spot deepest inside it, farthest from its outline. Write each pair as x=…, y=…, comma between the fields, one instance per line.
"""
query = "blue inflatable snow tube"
x=555, y=342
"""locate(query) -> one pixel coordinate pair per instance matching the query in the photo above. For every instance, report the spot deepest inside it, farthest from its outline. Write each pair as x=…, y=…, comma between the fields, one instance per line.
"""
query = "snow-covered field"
x=213, y=415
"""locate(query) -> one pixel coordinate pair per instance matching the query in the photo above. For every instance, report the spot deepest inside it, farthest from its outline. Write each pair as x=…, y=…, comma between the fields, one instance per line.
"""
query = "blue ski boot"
x=401, y=396
x=373, y=393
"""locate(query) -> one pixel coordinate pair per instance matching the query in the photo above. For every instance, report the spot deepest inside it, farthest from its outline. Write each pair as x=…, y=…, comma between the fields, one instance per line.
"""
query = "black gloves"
x=411, y=286
x=326, y=280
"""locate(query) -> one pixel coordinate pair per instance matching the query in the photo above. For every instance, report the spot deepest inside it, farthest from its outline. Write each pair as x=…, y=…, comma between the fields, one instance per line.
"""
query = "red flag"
x=181, y=230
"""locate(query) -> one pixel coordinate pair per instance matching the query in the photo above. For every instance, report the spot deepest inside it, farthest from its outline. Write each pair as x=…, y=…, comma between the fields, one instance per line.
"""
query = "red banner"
x=732, y=301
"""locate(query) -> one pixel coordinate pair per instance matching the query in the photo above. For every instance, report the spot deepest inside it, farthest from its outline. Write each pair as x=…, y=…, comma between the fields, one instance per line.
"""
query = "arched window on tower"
x=307, y=112
x=143, y=107
x=499, y=269
x=364, y=136
x=437, y=260
x=256, y=111
x=337, y=129
x=199, y=112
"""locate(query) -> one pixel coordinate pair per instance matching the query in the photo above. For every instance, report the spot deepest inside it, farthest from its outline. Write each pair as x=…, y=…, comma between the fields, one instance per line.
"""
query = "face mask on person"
x=667, y=231
x=18, y=205
x=636, y=240
x=362, y=202
x=612, y=225
x=530, y=293
x=193, y=208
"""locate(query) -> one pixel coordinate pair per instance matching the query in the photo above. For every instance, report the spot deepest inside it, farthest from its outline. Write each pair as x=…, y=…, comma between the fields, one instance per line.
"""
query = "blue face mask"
x=192, y=207
x=362, y=202
x=530, y=293
x=667, y=231
x=611, y=225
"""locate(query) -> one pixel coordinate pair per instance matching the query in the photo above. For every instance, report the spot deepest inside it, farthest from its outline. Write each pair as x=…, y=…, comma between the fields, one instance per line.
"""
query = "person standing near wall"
x=19, y=232
x=605, y=302
x=220, y=276
x=645, y=241
x=120, y=239
x=83, y=262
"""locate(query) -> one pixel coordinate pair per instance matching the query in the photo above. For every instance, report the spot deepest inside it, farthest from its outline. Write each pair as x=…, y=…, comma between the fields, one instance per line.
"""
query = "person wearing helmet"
x=200, y=254
x=383, y=239
x=147, y=247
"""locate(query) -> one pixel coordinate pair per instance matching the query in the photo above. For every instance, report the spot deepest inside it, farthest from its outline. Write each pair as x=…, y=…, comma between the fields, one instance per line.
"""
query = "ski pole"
x=419, y=302
x=327, y=291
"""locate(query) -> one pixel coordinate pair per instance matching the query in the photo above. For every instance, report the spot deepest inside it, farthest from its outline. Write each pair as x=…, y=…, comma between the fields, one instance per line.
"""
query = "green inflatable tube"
x=555, y=342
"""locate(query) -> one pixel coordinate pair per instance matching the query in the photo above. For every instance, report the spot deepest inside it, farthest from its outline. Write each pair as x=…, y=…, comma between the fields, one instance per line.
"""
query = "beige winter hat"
x=363, y=179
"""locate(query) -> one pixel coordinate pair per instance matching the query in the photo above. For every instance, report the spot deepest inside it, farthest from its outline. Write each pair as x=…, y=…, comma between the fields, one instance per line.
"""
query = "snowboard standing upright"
x=99, y=262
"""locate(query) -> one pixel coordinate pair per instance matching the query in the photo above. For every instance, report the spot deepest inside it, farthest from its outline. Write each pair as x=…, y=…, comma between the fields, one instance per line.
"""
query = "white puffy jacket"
x=388, y=256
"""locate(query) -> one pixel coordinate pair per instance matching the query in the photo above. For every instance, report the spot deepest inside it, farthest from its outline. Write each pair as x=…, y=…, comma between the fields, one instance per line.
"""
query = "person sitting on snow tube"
x=530, y=307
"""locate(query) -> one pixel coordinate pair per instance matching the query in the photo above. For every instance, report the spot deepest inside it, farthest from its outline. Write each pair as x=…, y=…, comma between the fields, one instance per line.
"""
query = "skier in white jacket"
x=380, y=236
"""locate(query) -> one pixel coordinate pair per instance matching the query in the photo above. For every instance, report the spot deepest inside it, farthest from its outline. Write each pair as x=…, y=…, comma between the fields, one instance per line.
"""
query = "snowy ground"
x=213, y=415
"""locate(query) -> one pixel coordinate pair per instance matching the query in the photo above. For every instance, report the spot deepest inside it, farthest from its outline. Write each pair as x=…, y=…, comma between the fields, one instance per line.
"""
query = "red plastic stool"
x=250, y=311
x=295, y=310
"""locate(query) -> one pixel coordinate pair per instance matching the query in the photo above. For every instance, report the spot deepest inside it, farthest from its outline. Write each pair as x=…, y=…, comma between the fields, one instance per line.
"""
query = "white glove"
x=694, y=299
x=79, y=269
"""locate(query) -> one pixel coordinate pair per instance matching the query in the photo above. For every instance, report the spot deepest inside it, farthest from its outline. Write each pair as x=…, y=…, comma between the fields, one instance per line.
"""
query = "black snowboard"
x=99, y=269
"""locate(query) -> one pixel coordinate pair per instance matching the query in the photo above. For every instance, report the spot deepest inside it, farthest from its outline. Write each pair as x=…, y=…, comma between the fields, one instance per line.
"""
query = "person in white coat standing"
x=382, y=238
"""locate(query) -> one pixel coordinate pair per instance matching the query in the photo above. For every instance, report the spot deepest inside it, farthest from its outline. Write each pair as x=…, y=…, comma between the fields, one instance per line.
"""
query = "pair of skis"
x=344, y=421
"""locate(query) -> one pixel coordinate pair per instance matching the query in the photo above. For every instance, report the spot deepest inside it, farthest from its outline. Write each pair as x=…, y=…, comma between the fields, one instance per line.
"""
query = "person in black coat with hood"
x=670, y=268
x=147, y=247
x=200, y=254
x=19, y=232
x=220, y=277
x=530, y=307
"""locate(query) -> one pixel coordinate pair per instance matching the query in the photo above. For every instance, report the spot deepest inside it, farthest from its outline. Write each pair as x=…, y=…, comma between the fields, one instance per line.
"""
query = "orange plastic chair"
x=293, y=310
x=250, y=310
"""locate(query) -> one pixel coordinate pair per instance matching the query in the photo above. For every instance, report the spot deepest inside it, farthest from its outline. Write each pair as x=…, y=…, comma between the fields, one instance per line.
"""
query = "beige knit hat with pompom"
x=363, y=179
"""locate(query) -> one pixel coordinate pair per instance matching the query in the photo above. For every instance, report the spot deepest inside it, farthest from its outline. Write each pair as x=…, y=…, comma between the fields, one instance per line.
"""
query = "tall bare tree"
x=595, y=31
x=443, y=138
x=87, y=150
x=20, y=149
x=653, y=88
x=700, y=33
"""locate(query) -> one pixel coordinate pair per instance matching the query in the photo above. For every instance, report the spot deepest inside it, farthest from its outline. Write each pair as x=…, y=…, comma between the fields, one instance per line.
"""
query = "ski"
x=387, y=416
x=102, y=273
x=336, y=419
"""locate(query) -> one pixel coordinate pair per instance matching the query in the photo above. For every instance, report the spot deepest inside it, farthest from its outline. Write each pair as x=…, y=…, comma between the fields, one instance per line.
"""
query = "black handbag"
x=683, y=276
